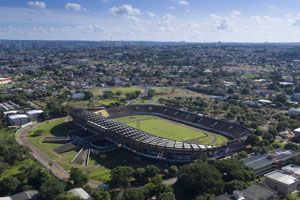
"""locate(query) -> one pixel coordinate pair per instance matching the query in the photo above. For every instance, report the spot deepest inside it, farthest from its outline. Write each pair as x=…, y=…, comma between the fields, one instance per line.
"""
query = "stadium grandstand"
x=146, y=145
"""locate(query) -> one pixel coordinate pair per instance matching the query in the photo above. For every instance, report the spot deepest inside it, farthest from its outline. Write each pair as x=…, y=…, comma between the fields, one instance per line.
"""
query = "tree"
x=9, y=185
x=151, y=171
x=51, y=188
x=242, y=154
x=253, y=140
x=166, y=196
x=173, y=171
x=234, y=185
x=198, y=179
x=78, y=178
x=133, y=194
x=268, y=137
x=121, y=176
x=151, y=93
x=292, y=146
x=101, y=194
x=88, y=95
x=139, y=175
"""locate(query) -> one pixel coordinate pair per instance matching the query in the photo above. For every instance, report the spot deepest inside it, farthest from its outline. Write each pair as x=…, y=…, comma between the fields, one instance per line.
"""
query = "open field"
x=167, y=129
x=123, y=90
x=165, y=92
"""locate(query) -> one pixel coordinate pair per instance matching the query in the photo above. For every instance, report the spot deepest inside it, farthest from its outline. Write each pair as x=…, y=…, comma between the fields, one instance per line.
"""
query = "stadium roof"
x=258, y=161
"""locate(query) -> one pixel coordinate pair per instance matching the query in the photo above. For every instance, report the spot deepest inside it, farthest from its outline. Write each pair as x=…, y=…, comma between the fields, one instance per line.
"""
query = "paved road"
x=56, y=169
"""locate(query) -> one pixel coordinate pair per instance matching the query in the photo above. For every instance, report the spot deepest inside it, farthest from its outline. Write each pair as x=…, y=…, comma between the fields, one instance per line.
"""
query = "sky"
x=152, y=20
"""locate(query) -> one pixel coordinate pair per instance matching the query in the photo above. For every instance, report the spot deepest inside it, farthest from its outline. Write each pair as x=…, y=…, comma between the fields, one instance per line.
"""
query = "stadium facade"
x=146, y=145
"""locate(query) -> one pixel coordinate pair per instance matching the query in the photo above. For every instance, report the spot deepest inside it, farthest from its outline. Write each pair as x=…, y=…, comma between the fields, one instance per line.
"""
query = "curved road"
x=56, y=169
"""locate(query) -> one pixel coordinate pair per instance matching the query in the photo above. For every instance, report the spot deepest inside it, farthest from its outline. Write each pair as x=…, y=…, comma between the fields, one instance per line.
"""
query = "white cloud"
x=171, y=8
x=151, y=14
x=90, y=28
x=134, y=18
x=166, y=20
x=125, y=10
x=74, y=7
x=183, y=3
x=221, y=23
x=36, y=4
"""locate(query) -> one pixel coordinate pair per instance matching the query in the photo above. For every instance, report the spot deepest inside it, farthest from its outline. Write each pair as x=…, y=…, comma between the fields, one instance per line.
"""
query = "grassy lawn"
x=68, y=156
x=7, y=132
x=100, y=174
x=54, y=128
x=51, y=128
x=36, y=142
x=124, y=90
x=163, y=128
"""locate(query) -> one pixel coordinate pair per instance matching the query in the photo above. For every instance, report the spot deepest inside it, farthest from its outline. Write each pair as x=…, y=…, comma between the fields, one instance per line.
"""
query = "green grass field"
x=164, y=128
x=7, y=132
x=123, y=90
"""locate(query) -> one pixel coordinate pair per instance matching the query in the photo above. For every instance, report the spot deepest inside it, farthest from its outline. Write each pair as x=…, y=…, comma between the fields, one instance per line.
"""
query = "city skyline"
x=168, y=20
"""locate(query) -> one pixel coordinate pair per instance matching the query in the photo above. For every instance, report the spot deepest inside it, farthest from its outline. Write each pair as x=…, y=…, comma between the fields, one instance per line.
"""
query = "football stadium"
x=163, y=133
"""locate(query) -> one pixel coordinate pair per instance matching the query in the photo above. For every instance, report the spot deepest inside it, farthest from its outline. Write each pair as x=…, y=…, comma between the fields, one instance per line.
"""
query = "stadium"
x=162, y=144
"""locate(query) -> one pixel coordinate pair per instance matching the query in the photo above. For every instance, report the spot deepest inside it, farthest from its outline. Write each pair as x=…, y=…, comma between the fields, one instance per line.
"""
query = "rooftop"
x=81, y=193
x=282, y=177
x=17, y=116
x=31, y=112
x=258, y=161
x=294, y=169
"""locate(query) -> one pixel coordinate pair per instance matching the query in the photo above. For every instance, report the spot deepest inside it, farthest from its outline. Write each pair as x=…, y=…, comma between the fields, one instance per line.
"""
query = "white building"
x=281, y=181
x=18, y=120
x=34, y=114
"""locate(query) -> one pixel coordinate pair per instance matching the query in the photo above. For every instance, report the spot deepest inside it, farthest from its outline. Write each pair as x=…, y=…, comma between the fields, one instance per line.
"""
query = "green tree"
x=151, y=171
x=166, y=196
x=139, y=175
x=121, y=176
x=133, y=194
x=198, y=179
x=253, y=140
x=234, y=185
x=9, y=185
x=88, y=95
x=173, y=171
x=292, y=146
x=51, y=188
x=77, y=177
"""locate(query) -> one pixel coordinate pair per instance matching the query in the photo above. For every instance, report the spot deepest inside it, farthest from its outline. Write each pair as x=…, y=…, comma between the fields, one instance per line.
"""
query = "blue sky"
x=156, y=20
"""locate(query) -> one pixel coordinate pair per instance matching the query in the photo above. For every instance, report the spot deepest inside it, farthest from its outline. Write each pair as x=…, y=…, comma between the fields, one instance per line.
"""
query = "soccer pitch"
x=165, y=128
